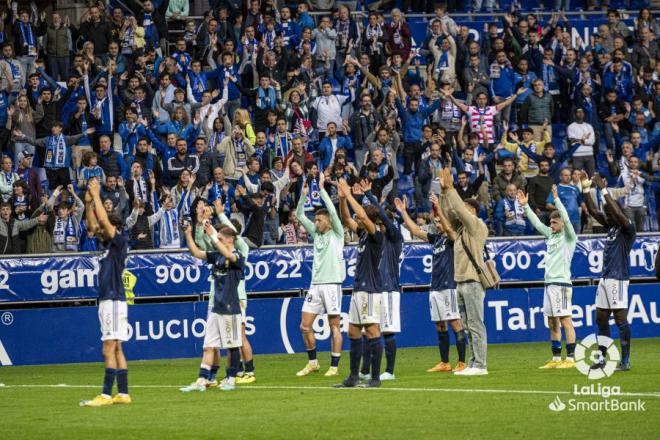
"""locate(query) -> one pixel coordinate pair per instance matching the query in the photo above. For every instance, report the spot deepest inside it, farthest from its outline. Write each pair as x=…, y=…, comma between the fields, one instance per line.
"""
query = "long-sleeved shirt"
x=328, y=266
x=561, y=246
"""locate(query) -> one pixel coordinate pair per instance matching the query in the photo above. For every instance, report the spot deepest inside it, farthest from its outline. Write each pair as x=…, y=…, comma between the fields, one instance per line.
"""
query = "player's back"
x=367, y=273
x=111, y=268
x=442, y=275
x=391, y=260
x=616, y=262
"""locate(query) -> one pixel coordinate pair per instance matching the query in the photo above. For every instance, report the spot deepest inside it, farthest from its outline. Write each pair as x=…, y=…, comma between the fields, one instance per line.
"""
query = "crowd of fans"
x=249, y=105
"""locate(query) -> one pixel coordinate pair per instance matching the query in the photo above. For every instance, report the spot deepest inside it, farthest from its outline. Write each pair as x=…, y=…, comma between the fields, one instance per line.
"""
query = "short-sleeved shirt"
x=111, y=268
x=226, y=277
x=442, y=275
x=616, y=261
x=369, y=253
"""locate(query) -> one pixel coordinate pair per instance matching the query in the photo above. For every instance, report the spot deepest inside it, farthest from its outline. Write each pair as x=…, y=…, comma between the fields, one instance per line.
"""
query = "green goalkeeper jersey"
x=328, y=266
x=561, y=246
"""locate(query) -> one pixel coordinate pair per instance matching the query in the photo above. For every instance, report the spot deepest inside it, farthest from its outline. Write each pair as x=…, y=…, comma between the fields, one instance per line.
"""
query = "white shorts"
x=612, y=294
x=444, y=305
x=365, y=308
x=557, y=300
x=390, y=316
x=323, y=299
x=223, y=331
x=113, y=316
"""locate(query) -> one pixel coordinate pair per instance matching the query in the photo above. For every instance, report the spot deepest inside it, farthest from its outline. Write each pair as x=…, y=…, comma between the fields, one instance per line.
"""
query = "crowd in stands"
x=248, y=104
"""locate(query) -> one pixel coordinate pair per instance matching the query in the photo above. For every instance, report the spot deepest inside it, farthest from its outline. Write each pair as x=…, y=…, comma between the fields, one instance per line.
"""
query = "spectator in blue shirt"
x=570, y=197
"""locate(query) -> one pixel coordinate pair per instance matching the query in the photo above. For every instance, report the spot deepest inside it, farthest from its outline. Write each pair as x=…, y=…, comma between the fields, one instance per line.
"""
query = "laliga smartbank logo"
x=590, y=362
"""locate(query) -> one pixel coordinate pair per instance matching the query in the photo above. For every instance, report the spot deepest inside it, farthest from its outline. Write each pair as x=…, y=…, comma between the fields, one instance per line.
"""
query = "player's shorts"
x=390, y=312
x=323, y=299
x=444, y=305
x=243, y=304
x=612, y=294
x=223, y=331
x=365, y=308
x=557, y=300
x=113, y=316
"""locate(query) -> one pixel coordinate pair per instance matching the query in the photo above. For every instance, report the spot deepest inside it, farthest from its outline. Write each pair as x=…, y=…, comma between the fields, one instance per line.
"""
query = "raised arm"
x=615, y=209
x=533, y=219
x=510, y=99
x=343, y=209
x=446, y=225
x=357, y=208
x=219, y=245
x=337, y=226
x=410, y=224
x=192, y=246
x=300, y=212
x=94, y=187
x=464, y=108
x=389, y=226
x=568, y=226
x=241, y=244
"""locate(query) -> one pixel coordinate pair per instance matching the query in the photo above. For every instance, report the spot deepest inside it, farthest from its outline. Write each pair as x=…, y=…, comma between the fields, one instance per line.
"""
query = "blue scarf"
x=57, y=152
x=268, y=102
x=182, y=60
x=28, y=36
x=283, y=149
x=65, y=234
x=150, y=31
x=197, y=84
x=517, y=210
x=314, y=195
x=549, y=78
x=184, y=204
x=18, y=203
x=241, y=155
x=171, y=219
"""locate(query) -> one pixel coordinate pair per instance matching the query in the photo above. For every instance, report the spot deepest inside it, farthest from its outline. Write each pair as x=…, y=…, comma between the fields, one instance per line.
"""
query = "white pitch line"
x=399, y=389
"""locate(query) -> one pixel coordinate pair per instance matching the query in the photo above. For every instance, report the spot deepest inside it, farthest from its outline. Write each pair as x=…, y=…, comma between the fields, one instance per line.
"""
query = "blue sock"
x=376, y=347
x=234, y=363
x=366, y=355
x=460, y=345
x=122, y=381
x=624, y=336
x=570, y=350
x=390, y=352
x=249, y=366
x=443, y=344
x=214, y=372
x=205, y=372
x=311, y=354
x=334, y=359
x=556, y=348
x=240, y=368
x=356, y=353
x=109, y=381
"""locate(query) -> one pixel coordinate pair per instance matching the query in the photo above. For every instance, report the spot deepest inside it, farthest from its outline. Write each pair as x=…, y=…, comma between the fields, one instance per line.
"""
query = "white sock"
x=556, y=358
x=314, y=362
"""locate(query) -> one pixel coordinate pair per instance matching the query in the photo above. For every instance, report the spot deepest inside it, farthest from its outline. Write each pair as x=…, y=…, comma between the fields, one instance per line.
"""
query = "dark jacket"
x=98, y=33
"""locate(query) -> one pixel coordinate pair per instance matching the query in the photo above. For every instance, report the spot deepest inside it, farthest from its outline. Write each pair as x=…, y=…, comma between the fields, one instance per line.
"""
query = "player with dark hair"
x=328, y=272
x=561, y=240
x=612, y=292
x=365, y=307
x=442, y=296
x=390, y=322
x=223, y=325
x=113, y=311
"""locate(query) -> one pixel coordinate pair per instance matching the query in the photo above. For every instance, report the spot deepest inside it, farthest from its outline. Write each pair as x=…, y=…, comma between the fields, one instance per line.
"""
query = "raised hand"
x=554, y=192
x=399, y=205
x=522, y=198
x=599, y=181
x=365, y=185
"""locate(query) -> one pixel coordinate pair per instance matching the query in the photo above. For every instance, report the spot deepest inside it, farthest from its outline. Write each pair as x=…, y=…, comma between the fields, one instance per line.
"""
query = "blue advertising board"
x=286, y=269
x=175, y=330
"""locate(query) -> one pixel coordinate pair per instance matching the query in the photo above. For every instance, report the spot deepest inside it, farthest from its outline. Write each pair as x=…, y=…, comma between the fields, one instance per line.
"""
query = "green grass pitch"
x=512, y=402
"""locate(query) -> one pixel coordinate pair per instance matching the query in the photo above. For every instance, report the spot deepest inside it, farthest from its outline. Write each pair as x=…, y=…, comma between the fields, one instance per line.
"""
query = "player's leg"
x=443, y=335
x=376, y=348
x=335, y=344
x=355, y=336
x=109, y=320
x=215, y=366
x=365, y=371
x=555, y=342
x=331, y=296
x=248, y=360
x=110, y=362
x=231, y=340
x=122, y=376
x=621, y=320
x=306, y=323
x=569, y=331
x=390, y=326
x=211, y=345
x=459, y=334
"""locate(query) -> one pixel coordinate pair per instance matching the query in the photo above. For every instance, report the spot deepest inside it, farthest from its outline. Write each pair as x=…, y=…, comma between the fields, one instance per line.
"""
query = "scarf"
x=216, y=138
x=270, y=38
x=150, y=31
x=64, y=234
x=241, y=155
x=550, y=79
x=443, y=62
x=182, y=60
x=20, y=201
x=15, y=70
x=266, y=102
x=183, y=207
x=513, y=212
x=314, y=195
x=28, y=38
x=171, y=223
x=9, y=177
x=216, y=192
x=290, y=236
x=342, y=33
x=140, y=189
x=282, y=145
x=198, y=85
x=56, y=152
x=376, y=31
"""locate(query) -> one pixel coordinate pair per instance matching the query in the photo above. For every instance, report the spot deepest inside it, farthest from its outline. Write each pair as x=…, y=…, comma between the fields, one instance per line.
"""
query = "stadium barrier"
x=176, y=330
x=281, y=269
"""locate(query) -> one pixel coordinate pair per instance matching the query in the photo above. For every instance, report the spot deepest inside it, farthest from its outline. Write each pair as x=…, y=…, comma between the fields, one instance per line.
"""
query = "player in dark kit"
x=612, y=293
x=113, y=312
x=442, y=296
x=390, y=322
x=365, y=307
